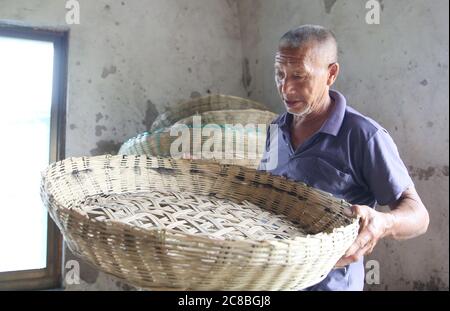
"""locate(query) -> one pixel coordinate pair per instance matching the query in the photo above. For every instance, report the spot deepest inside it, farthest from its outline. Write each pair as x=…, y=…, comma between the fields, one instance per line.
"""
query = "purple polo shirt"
x=351, y=157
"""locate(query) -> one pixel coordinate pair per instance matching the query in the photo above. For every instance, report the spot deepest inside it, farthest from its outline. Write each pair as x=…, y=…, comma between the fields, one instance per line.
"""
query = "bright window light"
x=26, y=72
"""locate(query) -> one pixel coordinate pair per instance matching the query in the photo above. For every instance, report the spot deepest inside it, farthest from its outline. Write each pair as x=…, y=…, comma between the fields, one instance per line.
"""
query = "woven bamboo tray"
x=232, y=117
x=160, y=142
x=201, y=105
x=161, y=223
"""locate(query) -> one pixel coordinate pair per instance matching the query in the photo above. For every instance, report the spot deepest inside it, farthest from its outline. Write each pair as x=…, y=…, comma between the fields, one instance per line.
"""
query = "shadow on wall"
x=106, y=147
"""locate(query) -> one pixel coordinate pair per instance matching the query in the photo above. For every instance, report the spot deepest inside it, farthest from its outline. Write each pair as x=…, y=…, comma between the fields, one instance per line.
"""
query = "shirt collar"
x=333, y=124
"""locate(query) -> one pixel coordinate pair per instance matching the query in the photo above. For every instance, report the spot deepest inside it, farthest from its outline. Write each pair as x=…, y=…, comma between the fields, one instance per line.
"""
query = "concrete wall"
x=130, y=59
x=396, y=73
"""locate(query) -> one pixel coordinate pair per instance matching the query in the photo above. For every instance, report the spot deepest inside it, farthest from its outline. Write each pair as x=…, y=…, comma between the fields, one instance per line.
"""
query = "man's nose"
x=287, y=88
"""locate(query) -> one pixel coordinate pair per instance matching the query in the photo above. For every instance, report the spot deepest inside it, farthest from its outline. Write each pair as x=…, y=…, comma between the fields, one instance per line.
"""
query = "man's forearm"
x=408, y=217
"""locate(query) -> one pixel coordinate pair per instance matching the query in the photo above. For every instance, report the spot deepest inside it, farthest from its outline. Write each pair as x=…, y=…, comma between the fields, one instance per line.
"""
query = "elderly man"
x=326, y=144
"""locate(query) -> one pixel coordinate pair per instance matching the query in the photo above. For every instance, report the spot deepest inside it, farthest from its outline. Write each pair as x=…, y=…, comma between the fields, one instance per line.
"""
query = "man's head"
x=305, y=68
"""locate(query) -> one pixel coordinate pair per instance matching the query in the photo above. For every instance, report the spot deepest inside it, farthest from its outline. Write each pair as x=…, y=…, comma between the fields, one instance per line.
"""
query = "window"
x=33, y=75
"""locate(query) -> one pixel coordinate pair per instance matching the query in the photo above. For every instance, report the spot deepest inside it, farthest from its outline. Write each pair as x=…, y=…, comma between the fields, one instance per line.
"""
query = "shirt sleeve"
x=384, y=170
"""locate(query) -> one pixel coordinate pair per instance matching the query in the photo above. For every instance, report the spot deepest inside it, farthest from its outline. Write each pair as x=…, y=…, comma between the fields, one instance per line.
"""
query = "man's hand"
x=373, y=226
x=407, y=219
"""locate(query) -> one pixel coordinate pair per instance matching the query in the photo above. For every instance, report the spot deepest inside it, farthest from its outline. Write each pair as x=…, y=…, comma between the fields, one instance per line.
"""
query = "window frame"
x=50, y=276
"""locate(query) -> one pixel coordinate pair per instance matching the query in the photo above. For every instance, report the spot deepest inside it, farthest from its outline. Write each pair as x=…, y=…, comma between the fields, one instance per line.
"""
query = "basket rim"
x=212, y=96
x=183, y=104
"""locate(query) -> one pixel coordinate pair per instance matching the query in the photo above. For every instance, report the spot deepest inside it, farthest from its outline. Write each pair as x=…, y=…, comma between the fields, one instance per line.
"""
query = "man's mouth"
x=291, y=103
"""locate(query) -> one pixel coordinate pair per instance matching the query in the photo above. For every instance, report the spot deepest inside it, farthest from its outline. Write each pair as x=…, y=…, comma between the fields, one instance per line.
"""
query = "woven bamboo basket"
x=201, y=105
x=161, y=223
x=232, y=117
x=249, y=153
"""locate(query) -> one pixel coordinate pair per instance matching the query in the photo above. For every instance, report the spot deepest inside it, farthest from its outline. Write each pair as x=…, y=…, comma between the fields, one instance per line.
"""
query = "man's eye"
x=280, y=75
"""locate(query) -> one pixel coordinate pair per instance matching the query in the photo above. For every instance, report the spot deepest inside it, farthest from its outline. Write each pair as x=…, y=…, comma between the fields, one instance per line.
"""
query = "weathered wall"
x=395, y=72
x=128, y=60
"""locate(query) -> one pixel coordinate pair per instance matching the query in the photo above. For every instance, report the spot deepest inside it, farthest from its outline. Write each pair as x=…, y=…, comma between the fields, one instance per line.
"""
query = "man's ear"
x=333, y=72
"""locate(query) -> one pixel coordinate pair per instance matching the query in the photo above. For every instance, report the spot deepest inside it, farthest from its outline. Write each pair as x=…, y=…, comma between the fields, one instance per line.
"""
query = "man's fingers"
x=348, y=259
x=355, y=210
x=367, y=237
x=362, y=245
x=348, y=211
x=361, y=252
x=363, y=212
x=354, y=248
x=361, y=241
x=342, y=263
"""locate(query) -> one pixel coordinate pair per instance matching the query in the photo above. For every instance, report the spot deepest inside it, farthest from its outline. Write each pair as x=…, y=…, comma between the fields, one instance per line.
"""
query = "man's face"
x=301, y=76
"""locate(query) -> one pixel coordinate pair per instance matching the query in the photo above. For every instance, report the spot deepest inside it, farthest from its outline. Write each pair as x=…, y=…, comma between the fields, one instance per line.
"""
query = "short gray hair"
x=296, y=37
